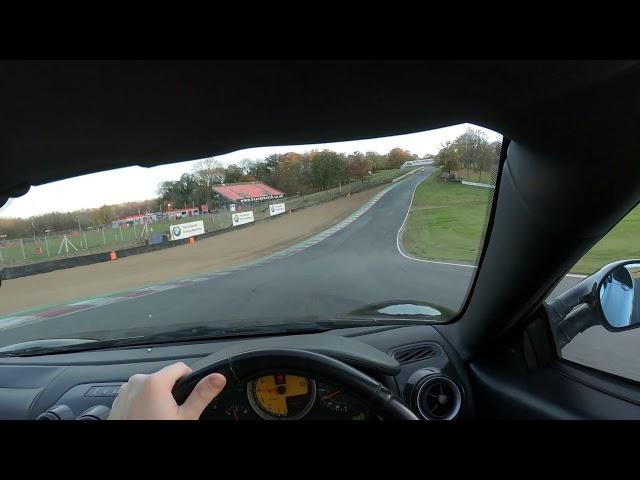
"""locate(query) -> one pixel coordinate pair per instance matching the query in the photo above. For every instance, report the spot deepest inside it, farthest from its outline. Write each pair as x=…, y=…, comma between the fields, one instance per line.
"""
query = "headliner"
x=66, y=118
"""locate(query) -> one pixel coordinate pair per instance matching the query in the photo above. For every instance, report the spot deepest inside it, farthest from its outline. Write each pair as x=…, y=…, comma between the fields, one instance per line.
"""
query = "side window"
x=603, y=335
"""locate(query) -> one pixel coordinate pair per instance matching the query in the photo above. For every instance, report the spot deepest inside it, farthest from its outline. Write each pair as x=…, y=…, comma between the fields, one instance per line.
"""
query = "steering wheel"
x=243, y=367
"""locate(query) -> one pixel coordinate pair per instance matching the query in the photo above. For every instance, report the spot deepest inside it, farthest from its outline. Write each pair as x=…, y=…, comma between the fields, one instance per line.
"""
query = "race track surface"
x=348, y=268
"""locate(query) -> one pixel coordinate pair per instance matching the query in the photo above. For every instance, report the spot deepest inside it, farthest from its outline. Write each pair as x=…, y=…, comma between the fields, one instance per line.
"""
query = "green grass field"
x=383, y=175
x=619, y=244
x=447, y=220
x=473, y=176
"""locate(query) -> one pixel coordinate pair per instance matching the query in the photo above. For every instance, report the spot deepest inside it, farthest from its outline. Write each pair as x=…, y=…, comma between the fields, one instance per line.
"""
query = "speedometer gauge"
x=333, y=399
x=281, y=397
x=340, y=404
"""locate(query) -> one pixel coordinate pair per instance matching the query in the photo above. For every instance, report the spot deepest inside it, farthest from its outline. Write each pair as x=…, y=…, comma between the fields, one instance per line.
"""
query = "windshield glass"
x=370, y=231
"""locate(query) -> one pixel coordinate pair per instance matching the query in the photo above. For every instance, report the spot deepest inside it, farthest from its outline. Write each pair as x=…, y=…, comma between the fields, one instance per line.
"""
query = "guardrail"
x=475, y=184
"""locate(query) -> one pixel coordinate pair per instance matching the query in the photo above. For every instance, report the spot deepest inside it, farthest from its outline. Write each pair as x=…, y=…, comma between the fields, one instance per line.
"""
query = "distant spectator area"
x=247, y=192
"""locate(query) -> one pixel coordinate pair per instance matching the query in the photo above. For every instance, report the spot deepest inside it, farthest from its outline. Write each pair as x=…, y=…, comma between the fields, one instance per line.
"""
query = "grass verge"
x=620, y=243
x=447, y=219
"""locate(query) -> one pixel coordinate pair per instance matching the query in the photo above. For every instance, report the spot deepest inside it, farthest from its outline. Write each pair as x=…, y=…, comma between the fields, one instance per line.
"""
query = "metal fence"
x=71, y=243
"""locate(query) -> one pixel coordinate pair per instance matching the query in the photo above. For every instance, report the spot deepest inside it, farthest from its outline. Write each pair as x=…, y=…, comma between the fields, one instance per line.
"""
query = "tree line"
x=38, y=225
x=293, y=173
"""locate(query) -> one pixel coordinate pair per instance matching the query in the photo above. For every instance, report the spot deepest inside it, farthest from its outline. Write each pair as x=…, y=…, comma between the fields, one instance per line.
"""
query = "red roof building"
x=247, y=192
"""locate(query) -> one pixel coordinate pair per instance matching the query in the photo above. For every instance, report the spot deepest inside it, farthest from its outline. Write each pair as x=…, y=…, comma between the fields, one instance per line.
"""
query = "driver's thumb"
x=205, y=391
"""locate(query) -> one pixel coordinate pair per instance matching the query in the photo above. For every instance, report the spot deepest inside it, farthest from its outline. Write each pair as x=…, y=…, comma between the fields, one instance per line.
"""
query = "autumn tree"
x=397, y=157
x=248, y=167
x=496, y=148
x=288, y=173
x=474, y=152
x=448, y=157
x=102, y=216
x=378, y=162
x=179, y=193
x=358, y=166
x=207, y=173
x=233, y=174
x=328, y=169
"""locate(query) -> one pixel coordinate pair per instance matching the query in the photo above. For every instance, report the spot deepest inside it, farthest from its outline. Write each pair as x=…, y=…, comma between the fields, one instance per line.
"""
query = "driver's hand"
x=148, y=397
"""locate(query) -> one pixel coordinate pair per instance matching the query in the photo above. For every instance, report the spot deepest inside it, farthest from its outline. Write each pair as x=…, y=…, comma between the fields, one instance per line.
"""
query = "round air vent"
x=438, y=398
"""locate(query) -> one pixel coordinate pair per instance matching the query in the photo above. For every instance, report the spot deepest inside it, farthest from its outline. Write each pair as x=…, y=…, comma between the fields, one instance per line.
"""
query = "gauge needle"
x=330, y=395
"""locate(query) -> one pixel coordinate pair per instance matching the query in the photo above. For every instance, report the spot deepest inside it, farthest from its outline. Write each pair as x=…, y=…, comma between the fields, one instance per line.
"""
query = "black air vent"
x=439, y=398
x=415, y=353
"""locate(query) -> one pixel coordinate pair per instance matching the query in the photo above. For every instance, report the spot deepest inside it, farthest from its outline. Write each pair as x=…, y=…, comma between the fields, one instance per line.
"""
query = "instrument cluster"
x=286, y=397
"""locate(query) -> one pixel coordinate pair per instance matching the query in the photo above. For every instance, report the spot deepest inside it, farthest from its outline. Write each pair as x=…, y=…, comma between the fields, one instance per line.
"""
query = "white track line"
x=420, y=259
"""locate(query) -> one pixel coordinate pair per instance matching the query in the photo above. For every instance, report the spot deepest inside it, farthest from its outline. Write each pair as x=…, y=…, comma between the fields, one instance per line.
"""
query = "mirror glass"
x=617, y=296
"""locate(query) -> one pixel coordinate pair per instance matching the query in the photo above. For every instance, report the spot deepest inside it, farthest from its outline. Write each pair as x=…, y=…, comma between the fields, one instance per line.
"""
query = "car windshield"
x=305, y=237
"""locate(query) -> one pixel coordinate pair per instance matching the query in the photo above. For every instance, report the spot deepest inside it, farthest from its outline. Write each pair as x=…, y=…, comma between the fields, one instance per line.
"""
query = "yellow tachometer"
x=281, y=396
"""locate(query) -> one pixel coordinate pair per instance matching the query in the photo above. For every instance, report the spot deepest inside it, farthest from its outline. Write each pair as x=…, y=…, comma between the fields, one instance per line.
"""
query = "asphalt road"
x=355, y=266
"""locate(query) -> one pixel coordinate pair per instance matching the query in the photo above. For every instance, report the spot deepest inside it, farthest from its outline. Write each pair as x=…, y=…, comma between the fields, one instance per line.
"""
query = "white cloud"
x=137, y=183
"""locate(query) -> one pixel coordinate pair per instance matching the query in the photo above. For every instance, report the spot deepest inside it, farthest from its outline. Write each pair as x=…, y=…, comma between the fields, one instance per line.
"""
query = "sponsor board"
x=276, y=209
x=186, y=230
x=240, y=218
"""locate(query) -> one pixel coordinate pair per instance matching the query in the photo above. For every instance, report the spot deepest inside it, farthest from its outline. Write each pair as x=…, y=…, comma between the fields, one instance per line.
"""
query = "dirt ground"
x=204, y=256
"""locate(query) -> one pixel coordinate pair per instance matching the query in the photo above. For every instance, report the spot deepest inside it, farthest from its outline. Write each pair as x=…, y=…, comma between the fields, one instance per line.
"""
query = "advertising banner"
x=241, y=218
x=186, y=230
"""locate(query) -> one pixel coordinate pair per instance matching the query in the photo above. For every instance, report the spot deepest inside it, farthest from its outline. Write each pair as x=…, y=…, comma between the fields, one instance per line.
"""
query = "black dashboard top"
x=31, y=385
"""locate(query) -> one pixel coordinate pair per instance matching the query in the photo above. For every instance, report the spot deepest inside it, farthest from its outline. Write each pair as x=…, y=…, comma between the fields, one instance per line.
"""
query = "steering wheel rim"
x=242, y=367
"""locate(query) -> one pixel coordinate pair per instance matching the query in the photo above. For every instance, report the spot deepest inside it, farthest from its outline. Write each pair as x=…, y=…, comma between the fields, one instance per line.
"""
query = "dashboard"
x=416, y=363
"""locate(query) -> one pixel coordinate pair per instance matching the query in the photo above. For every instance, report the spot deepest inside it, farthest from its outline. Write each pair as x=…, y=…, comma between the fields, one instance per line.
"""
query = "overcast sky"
x=137, y=183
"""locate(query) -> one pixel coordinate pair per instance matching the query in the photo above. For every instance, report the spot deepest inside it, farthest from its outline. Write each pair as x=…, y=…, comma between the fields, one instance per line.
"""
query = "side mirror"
x=610, y=298
x=619, y=299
